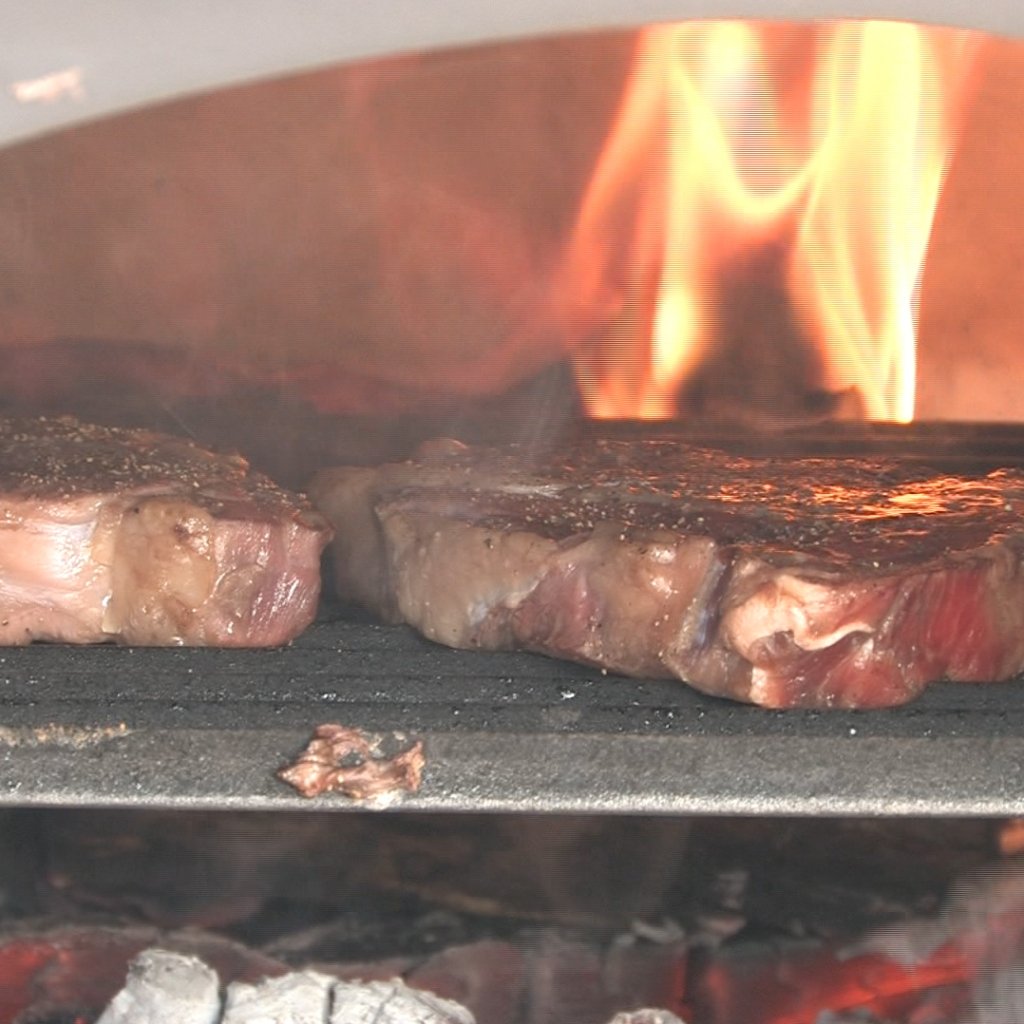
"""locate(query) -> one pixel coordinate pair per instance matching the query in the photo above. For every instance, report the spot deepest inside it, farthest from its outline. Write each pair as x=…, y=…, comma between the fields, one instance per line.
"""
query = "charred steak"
x=807, y=583
x=142, y=538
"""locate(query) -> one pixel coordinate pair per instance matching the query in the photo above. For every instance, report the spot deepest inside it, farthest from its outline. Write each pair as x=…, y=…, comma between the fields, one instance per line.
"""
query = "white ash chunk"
x=166, y=988
x=646, y=1017
x=393, y=1002
x=301, y=998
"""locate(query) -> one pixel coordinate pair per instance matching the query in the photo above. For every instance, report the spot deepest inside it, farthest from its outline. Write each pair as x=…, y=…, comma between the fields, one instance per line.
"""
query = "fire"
x=816, y=151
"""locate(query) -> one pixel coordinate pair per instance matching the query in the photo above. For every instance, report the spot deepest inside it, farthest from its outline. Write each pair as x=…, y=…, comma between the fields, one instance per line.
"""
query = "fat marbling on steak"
x=141, y=538
x=786, y=583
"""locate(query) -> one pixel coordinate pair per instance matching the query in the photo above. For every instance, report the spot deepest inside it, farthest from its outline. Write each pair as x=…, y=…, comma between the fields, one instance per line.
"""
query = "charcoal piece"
x=393, y=1002
x=166, y=988
x=301, y=998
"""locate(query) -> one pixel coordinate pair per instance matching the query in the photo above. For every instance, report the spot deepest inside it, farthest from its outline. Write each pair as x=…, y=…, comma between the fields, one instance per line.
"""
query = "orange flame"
x=828, y=142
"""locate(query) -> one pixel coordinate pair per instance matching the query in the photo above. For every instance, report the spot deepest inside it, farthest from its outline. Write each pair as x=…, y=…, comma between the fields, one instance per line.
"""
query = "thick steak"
x=141, y=538
x=806, y=583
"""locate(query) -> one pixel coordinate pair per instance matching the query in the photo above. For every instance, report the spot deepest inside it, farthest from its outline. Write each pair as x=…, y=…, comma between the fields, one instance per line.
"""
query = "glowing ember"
x=809, y=156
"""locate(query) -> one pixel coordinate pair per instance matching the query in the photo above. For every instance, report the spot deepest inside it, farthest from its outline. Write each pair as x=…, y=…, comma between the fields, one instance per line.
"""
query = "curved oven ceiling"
x=62, y=61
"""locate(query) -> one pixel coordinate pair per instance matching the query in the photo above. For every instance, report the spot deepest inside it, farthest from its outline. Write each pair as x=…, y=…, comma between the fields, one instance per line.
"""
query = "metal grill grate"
x=511, y=732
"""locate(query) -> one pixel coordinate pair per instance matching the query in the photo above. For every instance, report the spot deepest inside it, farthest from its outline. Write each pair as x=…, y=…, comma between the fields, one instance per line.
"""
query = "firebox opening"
x=525, y=919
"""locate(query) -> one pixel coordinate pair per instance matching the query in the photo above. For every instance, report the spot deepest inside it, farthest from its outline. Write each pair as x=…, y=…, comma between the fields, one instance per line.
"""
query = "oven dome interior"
x=362, y=256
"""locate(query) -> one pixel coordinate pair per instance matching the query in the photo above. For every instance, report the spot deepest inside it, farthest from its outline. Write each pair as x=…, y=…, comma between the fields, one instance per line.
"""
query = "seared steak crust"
x=786, y=583
x=141, y=538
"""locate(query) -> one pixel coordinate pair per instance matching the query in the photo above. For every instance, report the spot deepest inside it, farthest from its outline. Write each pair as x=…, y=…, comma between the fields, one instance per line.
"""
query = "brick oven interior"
x=580, y=845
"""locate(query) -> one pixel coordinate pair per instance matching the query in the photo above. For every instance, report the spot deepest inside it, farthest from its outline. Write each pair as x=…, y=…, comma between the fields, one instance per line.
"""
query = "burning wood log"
x=961, y=964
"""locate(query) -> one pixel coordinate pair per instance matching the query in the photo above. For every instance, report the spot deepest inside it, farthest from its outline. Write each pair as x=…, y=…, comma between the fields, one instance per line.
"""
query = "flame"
x=825, y=143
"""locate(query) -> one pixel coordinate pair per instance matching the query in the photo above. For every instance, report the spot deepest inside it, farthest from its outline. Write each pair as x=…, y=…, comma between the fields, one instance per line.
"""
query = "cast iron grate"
x=512, y=732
